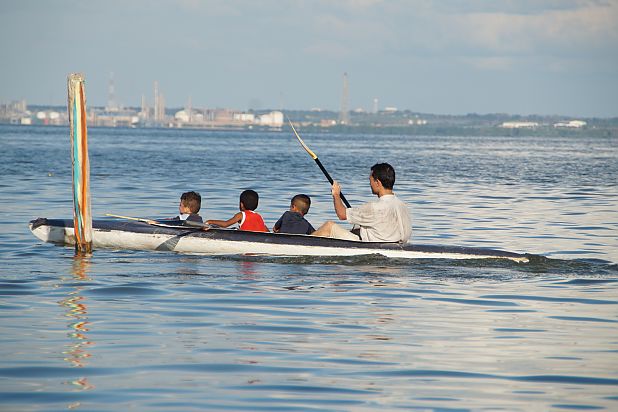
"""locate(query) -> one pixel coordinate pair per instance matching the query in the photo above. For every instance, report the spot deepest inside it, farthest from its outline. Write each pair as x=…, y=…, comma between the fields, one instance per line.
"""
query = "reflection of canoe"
x=114, y=234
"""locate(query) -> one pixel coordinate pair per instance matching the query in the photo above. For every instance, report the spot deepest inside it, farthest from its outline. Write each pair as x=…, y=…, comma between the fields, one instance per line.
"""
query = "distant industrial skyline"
x=526, y=57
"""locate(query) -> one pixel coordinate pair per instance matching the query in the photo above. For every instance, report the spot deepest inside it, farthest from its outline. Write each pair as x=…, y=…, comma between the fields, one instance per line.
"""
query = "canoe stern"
x=50, y=233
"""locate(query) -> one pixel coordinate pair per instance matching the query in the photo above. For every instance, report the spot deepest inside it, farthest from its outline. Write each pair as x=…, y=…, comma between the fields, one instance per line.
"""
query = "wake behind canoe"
x=132, y=235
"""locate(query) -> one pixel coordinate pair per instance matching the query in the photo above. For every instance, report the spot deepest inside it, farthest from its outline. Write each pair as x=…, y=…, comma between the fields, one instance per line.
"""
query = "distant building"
x=223, y=117
x=49, y=117
x=15, y=112
x=244, y=117
x=116, y=118
x=572, y=124
x=272, y=119
x=519, y=125
x=189, y=117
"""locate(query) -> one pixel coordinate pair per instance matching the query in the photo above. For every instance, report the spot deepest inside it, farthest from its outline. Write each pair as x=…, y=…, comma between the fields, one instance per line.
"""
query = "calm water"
x=162, y=331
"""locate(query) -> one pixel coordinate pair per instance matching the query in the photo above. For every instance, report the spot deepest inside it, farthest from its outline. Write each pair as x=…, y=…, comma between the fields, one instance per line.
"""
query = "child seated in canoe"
x=247, y=218
x=293, y=221
x=189, y=208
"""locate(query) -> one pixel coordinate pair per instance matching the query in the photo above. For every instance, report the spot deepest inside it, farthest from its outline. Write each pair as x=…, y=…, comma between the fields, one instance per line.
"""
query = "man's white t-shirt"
x=384, y=220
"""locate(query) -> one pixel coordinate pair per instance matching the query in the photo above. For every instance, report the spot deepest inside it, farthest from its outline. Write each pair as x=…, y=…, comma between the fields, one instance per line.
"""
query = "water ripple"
x=479, y=302
x=304, y=389
x=279, y=329
x=560, y=379
x=125, y=290
x=58, y=372
x=583, y=319
x=552, y=299
x=226, y=368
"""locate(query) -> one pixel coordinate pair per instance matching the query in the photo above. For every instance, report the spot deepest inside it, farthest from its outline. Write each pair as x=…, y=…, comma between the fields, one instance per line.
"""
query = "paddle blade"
x=313, y=155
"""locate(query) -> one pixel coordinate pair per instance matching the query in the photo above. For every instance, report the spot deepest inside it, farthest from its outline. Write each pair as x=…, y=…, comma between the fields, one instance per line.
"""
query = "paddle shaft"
x=330, y=179
x=189, y=223
x=138, y=219
x=317, y=161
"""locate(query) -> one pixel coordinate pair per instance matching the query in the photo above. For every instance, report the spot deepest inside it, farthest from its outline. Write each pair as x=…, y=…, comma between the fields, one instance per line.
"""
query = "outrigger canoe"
x=114, y=234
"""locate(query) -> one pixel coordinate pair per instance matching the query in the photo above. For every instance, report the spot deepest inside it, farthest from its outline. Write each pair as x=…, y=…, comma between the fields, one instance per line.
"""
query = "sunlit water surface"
x=164, y=331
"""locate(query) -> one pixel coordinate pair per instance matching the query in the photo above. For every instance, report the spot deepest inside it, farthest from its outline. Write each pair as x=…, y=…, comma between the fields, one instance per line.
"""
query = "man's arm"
x=340, y=208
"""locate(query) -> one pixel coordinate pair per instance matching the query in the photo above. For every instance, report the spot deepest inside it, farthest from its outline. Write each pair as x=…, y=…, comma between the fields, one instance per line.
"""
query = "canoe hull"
x=112, y=234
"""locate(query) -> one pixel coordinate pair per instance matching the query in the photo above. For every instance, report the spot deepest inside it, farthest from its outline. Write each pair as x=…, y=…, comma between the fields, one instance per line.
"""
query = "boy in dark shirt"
x=293, y=221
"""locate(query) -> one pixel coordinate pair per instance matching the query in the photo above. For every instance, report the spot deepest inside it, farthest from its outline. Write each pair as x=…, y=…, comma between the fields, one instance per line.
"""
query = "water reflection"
x=248, y=270
x=77, y=311
x=187, y=266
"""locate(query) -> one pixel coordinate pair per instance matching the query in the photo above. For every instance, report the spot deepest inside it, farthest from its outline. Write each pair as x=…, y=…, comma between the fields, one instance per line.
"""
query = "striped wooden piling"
x=82, y=218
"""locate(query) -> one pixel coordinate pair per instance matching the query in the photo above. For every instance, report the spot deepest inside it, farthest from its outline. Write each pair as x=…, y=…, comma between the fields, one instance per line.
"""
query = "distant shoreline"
x=392, y=121
x=433, y=130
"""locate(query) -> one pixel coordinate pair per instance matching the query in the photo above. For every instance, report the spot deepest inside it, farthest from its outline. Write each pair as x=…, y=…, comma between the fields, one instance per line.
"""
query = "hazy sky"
x=451, y=56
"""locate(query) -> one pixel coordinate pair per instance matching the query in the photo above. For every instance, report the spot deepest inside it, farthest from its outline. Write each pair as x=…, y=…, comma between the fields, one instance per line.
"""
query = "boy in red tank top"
x=247, y=219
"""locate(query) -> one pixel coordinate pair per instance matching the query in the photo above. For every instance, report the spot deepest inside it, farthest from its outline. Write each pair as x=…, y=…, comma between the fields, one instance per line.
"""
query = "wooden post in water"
x=82, y=218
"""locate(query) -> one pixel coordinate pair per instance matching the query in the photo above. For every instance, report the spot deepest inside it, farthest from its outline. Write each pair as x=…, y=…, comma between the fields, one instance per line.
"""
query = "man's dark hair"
x=192, y=200
x=249, y=199
x=302, y=203
x=385, y=174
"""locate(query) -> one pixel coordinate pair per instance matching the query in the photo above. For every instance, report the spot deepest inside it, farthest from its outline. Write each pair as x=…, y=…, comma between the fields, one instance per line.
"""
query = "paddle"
x=317, y=161
x=139, y=219
x=189, y=223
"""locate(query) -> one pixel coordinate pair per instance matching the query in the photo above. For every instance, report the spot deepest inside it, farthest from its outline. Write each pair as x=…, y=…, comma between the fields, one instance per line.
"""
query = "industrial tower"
x=112, y=106
x=159, y=104
x=156, y=101
x=344, y=115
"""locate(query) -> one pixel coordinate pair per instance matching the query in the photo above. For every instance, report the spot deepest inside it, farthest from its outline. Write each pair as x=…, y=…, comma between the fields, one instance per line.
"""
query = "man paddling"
x=384, y=220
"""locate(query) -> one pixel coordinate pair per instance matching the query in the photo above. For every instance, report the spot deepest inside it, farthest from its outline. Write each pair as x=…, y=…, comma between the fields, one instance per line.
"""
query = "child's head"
x=300, y=204
x=190, y=202
x=249, y=200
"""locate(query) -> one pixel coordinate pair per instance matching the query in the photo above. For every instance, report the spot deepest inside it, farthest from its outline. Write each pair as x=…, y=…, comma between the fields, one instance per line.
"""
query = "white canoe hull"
x=141, y=236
